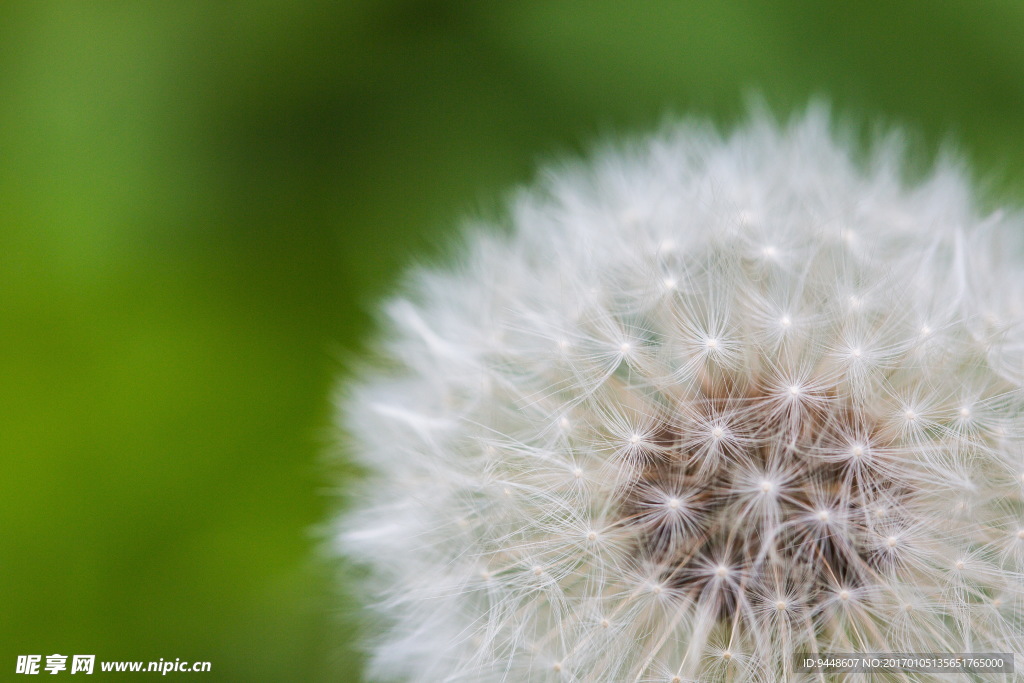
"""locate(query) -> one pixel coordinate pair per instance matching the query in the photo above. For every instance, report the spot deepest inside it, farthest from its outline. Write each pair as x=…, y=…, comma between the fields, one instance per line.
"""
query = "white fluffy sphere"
x=709, y=402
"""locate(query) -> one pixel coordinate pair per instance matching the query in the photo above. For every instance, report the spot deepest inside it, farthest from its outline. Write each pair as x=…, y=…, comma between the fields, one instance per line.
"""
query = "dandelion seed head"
x=578, y=475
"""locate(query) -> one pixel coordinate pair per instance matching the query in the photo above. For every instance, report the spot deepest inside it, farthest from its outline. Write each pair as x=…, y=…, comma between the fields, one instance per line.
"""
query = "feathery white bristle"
x=711, y=402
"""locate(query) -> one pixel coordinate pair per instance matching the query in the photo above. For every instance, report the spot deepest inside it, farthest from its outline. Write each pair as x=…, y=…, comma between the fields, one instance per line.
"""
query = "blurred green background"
x=200, y=202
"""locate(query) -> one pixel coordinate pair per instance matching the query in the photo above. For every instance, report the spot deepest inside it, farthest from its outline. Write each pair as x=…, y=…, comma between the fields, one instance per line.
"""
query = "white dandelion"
x=710, y=402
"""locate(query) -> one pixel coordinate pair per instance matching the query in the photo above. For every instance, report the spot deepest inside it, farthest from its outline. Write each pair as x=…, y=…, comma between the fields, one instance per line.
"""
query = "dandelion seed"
x=810, y=444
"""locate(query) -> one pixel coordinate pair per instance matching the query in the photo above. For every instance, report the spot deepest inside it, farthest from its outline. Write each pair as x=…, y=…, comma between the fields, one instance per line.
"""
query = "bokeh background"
x=200, y=203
